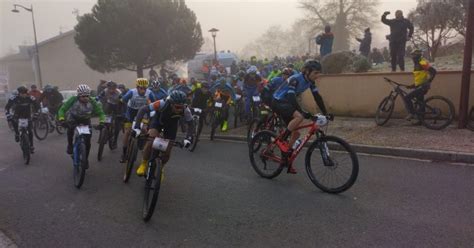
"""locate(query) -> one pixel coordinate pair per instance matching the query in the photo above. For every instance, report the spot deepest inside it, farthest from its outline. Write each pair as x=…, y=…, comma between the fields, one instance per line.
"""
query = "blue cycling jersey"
x=135, y=100
x=296, y=85
x=226, y=87
x=275, y=83
x=160, y=94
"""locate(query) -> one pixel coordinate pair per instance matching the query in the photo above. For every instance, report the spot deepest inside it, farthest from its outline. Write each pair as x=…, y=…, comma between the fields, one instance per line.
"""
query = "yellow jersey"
x=420, y=72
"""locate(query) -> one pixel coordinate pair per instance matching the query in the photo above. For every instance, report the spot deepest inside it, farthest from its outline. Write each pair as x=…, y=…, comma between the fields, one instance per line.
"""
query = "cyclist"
x=34, y=92
x=224, y=93
x=251, y=82
x=274, y=73
x=274, y=84
x=135, y=99
x=51, y=98
x=122, y=88
x=21, y=105
x=195, y=85
x=110, y=99
x=157, y=91
x=168, y=113
x=286, y=105
x=423, y=74
x=79, y=110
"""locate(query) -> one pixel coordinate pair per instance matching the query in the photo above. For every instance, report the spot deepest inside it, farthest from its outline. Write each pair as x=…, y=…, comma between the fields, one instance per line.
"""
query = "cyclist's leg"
x=130, y=116
x=293, y=125
x=152, y=134
x=15, y=127
x=70, y=136
x=170, y=131
x=30, y=132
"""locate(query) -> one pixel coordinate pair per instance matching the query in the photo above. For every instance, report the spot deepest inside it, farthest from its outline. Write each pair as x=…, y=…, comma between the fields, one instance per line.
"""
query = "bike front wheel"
x=438, y=113
x=103, y=137
x=265, y=155
x=25, y=148
x=331, y=164
x=384, y=111
x=131, y=158
x=197, y=133
x=79, y=172
x=41, y=127
x=152, y=188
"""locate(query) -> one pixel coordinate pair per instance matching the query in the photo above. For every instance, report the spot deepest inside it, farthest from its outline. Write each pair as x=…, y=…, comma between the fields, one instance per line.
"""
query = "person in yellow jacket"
x=423, y=74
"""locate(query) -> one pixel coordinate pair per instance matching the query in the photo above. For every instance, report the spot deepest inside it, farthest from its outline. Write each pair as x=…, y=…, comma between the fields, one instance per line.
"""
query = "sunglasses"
x=179, y=106
x=141, y=88
x=84, y=96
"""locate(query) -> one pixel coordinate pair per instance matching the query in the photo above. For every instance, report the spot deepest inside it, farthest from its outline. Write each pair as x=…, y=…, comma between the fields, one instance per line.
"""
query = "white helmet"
x=252, y=69
x=83, y=90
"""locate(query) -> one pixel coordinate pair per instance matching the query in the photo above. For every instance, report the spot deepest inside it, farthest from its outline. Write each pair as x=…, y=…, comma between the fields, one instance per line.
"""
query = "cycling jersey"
x=79, y=111
x=252, y=81
x=21, y=106
x=159, y=94
x=135, y=101
x=223, y=89
x=420, y=72
x=295, y=85
x=200, y=99
x=273, y=74
x=51, y=99
x=110, y=97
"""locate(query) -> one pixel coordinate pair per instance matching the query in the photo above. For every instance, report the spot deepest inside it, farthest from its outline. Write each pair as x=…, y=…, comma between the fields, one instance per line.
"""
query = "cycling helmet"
x=241, y=74
x=155, y=84
x=111, y=84
x=83, y=90
x=48, y=88
x=311, y=65
x=252, y=69
x=287, y=71
x=33, y=86
x=177, y=97
x=22, y=90
x=121, y=87
x=142, y=82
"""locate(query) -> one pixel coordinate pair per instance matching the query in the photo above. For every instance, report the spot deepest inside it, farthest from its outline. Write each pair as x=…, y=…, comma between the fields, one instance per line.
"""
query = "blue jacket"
x=325, y=41
x=158, y=95
x=295, y=85
x=275, y=84
x=225, y=87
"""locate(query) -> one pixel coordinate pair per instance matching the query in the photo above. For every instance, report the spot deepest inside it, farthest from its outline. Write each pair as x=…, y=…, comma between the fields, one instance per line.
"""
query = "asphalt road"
x=213, y=198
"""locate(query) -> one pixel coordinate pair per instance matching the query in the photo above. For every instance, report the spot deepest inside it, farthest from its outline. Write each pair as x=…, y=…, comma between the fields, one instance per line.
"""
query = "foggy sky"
x=239, y=21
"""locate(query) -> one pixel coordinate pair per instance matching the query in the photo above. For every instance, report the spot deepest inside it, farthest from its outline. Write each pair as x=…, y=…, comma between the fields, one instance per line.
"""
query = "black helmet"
x=111, y=84
x=48, y=88
x=311, y=65
x=416, y=53
x=177, y=97
x=22, y=90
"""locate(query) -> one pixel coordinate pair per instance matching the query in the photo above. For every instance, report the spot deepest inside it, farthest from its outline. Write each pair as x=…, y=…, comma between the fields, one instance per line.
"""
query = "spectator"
x=325, y=41
x=35, y=92
x=399, y=35
x=365, y=43
x=386, y=54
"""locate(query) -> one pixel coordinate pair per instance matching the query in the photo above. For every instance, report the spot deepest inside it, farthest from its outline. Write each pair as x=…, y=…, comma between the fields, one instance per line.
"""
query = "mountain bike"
x=198, y=123
x=79, y=153
x=255, y=102
x=107, y=135
x=470, y=121
x=136, y=142
x=153, y=176
x=239, y=110
x=216, y=117
x=269, y=120
x=327, y=159
x=25, y=145
x=41, y=125
x=435, y=112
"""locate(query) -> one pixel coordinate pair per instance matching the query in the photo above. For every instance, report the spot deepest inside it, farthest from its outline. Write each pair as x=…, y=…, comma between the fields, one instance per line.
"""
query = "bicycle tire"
x=331, y=164
x=59, y=129
x=103, y=137
x=450, y=117
x=470, y=120
x=79, y=171
x=39, y=123
x=214, y=124
x=25, y=147
x=254, y=127
x=133, y=146
x=197, y=132
x=260, y=137
x=153, y=178
x=382, y=108
x=111, y=137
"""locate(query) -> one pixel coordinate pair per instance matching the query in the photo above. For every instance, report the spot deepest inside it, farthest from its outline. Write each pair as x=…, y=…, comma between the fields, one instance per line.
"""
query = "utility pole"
x=466, y=72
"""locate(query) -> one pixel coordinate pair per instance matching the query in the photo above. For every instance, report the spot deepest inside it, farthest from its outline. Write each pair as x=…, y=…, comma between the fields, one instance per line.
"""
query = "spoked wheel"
x=438, y=113
x=197, y=133
x=59, y=128
x=331, y=164
x=470, y=121
x=152, y=189
x=80, y=164
x=384, y=111
x=214, y=124
x=131, y=158
x=25, y=148
x=265, y=156
x=103, y=137
x=112, y=140
x=254, y=127
x=41, y=127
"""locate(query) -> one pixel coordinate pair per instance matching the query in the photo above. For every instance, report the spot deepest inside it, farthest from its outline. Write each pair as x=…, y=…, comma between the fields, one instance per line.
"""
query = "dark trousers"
x=397, y=52
x=70, y=134
x=419, y=94
x=30, y=130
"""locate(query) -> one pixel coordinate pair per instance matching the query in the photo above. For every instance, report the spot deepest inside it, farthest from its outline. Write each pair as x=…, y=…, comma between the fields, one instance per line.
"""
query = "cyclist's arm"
x=65, y=107
x=319, y=100
x=127, y=96
x=9, y=105
x=292, y=94
x=36, y=104
x=98, y=110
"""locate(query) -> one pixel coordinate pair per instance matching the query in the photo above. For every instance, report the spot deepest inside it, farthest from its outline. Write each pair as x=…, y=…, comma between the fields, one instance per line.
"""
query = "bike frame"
x=398, y=91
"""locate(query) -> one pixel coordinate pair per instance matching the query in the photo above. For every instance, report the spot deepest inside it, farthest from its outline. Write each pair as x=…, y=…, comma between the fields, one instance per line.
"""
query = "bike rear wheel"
x=152, y=188
x=470, y=121
x=385, y=110
x=25, y=147
x=41, y=127
x=438, y=113
x=263, y=155
x=334, y=159
x=79, y=171
x=131, y=158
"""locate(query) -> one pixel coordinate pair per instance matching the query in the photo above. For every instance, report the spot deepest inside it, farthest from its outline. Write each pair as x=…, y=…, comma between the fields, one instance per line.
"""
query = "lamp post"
x=15, y=10
x=214, y=32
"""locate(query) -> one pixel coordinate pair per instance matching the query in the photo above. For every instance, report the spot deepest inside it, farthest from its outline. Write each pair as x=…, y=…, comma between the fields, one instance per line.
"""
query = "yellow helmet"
x=142, y=82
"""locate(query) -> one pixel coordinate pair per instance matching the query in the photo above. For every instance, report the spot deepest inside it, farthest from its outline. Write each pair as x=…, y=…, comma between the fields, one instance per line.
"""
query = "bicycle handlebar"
x=393, y=82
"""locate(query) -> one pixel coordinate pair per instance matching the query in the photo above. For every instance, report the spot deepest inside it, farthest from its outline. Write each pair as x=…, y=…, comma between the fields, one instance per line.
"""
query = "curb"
x=433, y=155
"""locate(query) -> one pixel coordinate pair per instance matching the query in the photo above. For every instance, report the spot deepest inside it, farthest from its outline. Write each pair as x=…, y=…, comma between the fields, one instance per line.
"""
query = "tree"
x=348, y=18
x=137, y=34
x=459, y=20
x=432, y=24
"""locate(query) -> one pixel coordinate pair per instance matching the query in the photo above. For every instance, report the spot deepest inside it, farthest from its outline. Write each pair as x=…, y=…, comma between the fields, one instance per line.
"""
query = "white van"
x=195, y=65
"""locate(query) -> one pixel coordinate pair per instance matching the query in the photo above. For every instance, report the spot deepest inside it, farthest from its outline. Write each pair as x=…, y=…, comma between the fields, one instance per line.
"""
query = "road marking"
x=6, y=242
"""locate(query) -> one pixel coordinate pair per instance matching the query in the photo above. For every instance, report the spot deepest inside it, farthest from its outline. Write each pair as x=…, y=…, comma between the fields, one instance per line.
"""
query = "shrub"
x=337, y=62
x=361, y=64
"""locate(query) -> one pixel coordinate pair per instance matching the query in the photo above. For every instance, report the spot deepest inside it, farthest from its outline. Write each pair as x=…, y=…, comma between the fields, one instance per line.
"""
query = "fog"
x=239, y=21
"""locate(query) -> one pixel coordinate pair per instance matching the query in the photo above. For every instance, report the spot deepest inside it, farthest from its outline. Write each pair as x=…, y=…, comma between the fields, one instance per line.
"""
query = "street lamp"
x=15, y=10
x=214, y=32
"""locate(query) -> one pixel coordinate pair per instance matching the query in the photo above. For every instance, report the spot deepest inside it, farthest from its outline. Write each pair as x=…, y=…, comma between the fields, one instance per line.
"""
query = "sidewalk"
x=398, y=138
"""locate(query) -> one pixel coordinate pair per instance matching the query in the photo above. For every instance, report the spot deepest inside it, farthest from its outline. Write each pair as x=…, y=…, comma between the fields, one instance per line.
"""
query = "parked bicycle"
x=331, y=163
x=153, y=176
x=435, y=112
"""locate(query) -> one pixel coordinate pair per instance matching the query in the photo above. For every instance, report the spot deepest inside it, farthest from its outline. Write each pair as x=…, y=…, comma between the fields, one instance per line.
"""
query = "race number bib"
x=83, y=129
x=161, y=144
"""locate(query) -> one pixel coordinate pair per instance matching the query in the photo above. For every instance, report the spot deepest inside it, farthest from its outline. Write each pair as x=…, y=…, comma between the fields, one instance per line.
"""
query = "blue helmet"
x=177, y=97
